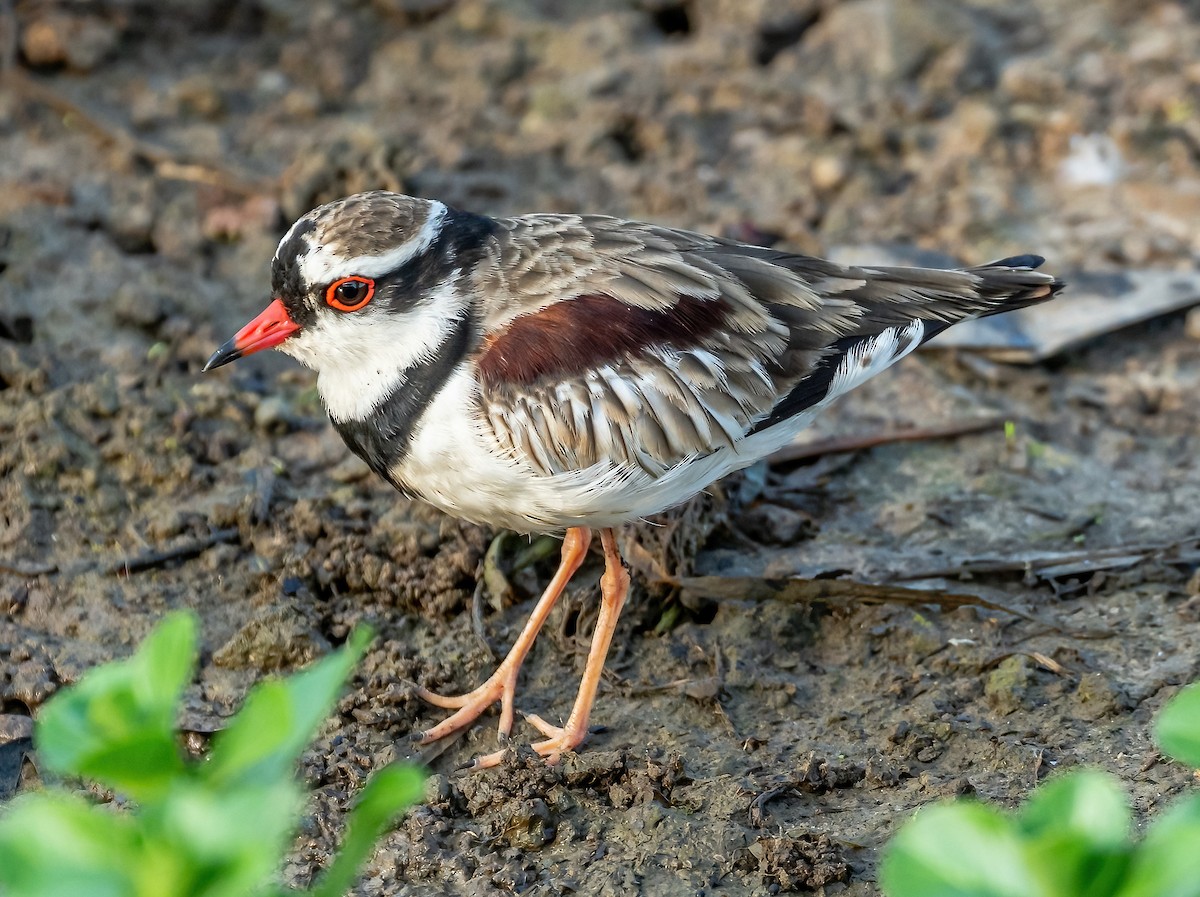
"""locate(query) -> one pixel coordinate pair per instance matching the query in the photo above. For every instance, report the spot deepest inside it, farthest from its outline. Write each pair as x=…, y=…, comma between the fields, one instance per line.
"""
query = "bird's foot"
x=501, y=687
x=559, y=740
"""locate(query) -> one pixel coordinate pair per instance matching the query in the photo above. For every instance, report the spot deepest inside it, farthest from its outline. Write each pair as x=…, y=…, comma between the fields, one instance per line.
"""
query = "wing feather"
x=643, y=346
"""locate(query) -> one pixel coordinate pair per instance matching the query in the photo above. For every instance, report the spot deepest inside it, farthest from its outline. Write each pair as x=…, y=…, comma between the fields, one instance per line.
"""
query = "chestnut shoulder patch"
x=571, y=337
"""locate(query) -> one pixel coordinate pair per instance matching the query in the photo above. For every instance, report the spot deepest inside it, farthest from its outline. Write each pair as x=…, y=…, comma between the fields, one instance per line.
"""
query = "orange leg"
x=614, y=589
x=503, y=683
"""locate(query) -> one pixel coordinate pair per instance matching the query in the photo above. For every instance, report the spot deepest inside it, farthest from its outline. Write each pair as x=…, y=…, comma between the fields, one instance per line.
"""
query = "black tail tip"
x=1018, y=261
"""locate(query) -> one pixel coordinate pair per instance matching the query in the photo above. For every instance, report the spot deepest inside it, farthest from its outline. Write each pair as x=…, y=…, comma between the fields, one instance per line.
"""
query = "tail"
x=1013, y=283
x=897, y=310
x=890, y=296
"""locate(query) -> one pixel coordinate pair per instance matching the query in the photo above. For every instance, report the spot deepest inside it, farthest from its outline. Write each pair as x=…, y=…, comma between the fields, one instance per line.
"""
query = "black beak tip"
x=227, y=353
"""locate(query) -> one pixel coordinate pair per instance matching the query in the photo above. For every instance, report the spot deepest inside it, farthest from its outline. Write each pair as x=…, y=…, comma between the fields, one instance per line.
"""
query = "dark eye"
x=350, y=293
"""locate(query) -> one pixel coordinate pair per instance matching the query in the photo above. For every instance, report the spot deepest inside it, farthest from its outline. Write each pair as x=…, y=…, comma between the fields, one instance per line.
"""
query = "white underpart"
x=874, y=356
x=455, y=464
x=320, y=264
x=361, y=357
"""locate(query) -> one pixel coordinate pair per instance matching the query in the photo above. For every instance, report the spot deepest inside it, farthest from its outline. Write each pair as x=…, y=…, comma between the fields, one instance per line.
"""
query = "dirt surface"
x=151, y=154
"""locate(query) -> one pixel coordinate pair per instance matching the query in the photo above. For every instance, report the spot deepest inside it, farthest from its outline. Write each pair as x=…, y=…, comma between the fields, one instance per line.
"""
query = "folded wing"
x=646, y=346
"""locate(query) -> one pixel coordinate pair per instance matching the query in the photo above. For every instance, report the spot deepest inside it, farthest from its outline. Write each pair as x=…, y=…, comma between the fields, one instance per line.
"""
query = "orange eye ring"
x=350, y=293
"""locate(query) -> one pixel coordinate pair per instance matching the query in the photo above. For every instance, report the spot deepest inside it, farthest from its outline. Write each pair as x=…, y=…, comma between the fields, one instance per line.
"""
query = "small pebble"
x=271, y=413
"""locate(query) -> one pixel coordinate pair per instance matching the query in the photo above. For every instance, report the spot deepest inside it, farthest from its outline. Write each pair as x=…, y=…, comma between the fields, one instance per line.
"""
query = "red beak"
x=269, y=329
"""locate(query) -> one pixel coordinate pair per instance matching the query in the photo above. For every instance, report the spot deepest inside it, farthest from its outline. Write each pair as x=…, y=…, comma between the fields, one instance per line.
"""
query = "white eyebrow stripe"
x=319, y=265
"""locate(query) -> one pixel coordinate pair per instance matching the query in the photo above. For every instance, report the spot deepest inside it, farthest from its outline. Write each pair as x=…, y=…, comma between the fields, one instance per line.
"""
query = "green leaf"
x=233, y=841
x=1178, y=729
x=1089, y=805
x=218, y=829
x=58, y=845
x=386, y=794
x=1167, y=862
x=266, y=737
x=117, y=724
x=958, y=850
x=1076, y=829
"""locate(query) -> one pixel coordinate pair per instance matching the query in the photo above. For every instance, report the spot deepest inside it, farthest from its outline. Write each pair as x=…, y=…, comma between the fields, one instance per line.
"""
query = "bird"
x=565, y=373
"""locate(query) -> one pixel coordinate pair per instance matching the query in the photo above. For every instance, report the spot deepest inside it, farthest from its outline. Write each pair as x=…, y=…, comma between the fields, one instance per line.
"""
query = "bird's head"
x=343, y=280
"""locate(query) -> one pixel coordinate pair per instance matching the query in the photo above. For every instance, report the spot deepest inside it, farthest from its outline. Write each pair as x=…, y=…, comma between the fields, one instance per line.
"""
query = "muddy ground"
x=151, y=154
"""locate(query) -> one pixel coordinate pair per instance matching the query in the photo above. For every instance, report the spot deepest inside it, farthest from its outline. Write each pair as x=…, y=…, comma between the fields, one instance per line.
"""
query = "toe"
x=486, y=761
x=548, y=729
x=446, y=702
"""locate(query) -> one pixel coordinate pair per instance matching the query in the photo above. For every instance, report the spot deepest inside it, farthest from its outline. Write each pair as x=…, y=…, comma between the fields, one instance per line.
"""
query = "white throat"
x=361, y=358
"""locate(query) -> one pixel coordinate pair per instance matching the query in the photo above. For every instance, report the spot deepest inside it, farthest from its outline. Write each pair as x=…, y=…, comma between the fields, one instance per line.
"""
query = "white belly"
x=455, y=464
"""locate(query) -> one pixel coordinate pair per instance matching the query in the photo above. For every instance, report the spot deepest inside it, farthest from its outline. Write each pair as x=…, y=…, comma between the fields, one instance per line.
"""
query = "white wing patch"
x=873, y=356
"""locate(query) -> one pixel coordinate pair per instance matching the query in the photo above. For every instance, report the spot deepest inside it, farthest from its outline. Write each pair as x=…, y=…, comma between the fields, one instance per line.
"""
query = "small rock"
x=884, y=773
x=31, y=683
x=198, y=96
x=774, y=524
x=1095, y=697
x=81, y=42
x=271, y=414
x=1006, y=685
x=166, y=524
x=1033, y=80
x=130, y=216
x=531, y=826
x=15, y=726
x=438, y=791
x=828, y=172
x=278, y=637
x=889, y=38
x=135, y=306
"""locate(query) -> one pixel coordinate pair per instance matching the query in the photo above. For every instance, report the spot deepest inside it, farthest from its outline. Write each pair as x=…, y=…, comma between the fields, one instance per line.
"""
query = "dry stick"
x=838, y=444
x=794, y=590
x=847, y=593
x=1117, y=555
x=166, y=164
x=183, y=552
x=21, y=567
x=136, y=564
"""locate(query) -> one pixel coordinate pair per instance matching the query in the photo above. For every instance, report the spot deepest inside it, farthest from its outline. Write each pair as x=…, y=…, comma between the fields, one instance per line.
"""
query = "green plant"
x=1070, y=839
x=213, y=828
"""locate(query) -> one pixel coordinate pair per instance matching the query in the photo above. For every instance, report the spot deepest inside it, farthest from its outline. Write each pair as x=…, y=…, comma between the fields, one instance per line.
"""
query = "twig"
x=27, y=568
x=182, y=552
x=841, y=592
x=847, y=593
x=1044, y=661
x=478, y=626
x=758, y=806
x=838, y=444
x=166, y=164
x=1053, y=563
